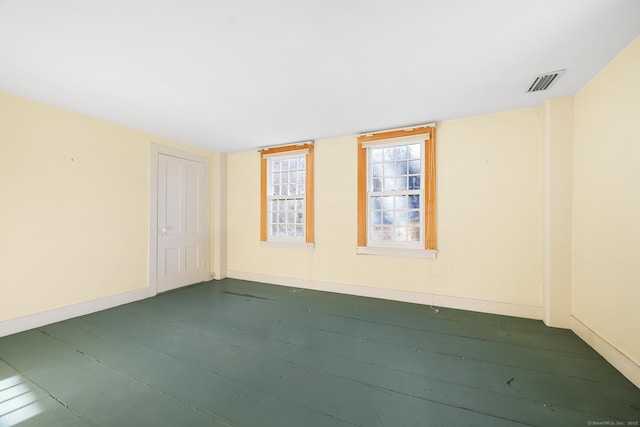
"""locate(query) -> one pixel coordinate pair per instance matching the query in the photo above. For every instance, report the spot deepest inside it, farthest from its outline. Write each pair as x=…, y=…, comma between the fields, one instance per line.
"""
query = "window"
x=287, y=194
x=396, y=191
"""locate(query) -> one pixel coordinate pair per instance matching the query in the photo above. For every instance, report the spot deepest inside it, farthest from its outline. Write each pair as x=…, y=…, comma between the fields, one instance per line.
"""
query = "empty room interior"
x=319, y=213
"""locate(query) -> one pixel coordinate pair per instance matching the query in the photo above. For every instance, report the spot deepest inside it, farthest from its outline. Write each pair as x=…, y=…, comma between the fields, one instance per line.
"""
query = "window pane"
x=302, y=162
x=299, y=218
x=388, y=153
x=284, y=179
x=376, y=202
x=291, y=204
x=376, y=233
x=376, y=217
x=275, y=190
x=281, y=205
x=299, y=231
x=387, y=232
x=388, y=184
x=387, y=217
x=377, y=184
x=274, y=230
x=414, y=151
x=401, y=152
x=389, y=169
x=275, y=165
x=376, y=169
x=282, y=217
x=387, y=202
x=293, y=177
x=400, y=202
x=414, y=234
x=284, y=190
x=274, y=217
x=414, y=182
x=414, y=166
x=414, y=201
x=291, y=217
x=401, y=183
x=400, y=218
x=376, y=154
x=274, y=205
x=301, y=189
x=284, y=165
x=400, y=233
x=414, y=217
x=301, y=177
x=292, y=189
x=275, y=178
x=282, y=230
x=401, y=168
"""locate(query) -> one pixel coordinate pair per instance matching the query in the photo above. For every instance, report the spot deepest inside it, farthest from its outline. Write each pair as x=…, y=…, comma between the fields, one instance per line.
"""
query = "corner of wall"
x=557, y=215
x=605, y=233
x=618, y=359
x=219, y=216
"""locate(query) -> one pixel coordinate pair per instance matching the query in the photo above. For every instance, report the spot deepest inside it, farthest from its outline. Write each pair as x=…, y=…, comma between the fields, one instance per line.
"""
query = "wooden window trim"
x=430, y=184
x=309, y=195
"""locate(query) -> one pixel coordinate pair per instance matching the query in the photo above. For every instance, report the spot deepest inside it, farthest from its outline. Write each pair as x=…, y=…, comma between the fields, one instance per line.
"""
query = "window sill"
x=290, y=245
x=397, y=252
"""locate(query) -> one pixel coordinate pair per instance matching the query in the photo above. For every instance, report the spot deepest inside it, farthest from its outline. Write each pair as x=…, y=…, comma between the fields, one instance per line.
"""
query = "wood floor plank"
x=493, y=378
x=91, y=390
x=349, y=302
x=541, y=359
x=308, y=387
x=242, y=353
x=24, y=403
x=440, y=320
x=202, y=388
x=529, y=384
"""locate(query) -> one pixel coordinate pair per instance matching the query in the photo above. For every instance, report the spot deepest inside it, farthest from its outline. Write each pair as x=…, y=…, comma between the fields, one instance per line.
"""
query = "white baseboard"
x=25, y=323
x=619, y=360
x=507, y=309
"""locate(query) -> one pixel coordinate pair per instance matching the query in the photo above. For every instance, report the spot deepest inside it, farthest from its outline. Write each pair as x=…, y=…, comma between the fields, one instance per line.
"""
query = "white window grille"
x=286, y=198
x=395, y=194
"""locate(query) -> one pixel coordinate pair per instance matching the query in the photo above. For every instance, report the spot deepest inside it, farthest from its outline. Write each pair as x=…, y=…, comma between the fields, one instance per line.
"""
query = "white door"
x=183, y=222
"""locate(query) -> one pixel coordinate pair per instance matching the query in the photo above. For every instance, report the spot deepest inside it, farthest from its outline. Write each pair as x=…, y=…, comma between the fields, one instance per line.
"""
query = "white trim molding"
x=37, y=320
x=492, y=307
x=408, y=128
x=288, y=244
x=619, y=360
x=397, y=252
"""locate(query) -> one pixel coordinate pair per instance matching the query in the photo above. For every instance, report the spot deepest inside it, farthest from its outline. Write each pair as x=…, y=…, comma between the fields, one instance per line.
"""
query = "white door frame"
x=156, y=150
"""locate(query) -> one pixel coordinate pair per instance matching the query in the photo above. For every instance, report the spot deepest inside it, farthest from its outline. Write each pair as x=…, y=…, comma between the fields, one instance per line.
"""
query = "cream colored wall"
x=74, y=207
x=489, y=216
x=244, y=250
x=558, y=208
x=606, y=256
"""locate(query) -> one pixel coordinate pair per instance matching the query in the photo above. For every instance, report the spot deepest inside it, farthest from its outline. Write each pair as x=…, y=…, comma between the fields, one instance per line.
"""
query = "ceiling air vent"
x=544, y=81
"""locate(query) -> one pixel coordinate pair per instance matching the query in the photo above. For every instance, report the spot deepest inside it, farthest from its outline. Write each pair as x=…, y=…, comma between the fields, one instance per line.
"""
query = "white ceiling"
x=233, y=75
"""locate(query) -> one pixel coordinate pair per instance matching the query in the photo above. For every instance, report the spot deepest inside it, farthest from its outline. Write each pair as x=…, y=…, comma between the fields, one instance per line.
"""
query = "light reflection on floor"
x=17, y=401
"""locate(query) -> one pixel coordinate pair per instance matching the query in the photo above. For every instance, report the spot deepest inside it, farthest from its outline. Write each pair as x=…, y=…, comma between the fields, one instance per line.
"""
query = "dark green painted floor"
x=249, y=354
